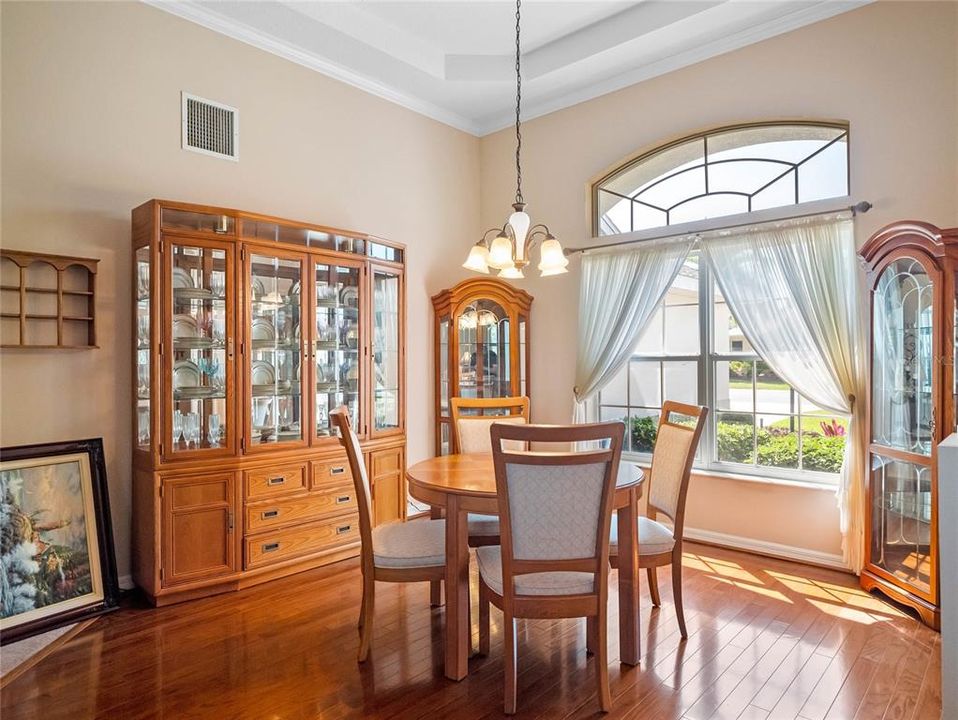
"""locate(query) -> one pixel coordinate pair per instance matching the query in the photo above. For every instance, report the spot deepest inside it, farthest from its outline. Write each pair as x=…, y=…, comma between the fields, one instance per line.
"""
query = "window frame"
x=842, y=126
x=706, y=459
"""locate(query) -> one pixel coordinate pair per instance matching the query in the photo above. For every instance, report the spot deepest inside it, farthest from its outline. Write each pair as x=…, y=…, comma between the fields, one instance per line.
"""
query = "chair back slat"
x=555, y=508
x=470, y=430
x=354, y=455
x=680, y=428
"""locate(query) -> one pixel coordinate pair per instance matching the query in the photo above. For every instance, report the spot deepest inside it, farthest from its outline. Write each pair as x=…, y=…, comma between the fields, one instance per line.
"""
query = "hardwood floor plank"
x=767, y=640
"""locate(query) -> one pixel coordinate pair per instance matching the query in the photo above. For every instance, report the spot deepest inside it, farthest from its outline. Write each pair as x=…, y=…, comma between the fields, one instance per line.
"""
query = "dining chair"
x=412, y=551
x=470, y=434
x=680, y=427
x=555, y=511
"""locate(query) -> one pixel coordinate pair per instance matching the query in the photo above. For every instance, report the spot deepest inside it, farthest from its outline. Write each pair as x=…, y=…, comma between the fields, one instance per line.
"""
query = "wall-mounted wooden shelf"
x=47, y=301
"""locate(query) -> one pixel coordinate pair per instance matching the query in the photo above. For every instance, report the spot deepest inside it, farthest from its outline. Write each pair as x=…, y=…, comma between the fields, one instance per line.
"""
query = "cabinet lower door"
x=199, y=539
x=387, y=473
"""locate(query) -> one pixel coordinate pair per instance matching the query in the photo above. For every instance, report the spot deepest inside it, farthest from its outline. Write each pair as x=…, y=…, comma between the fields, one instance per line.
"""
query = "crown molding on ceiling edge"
x=264, y=41
x=822, y=10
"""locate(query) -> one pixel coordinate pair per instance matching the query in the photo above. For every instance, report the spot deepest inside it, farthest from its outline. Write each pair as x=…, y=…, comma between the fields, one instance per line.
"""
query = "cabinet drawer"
x=385, y=462
x=267, y=482
x=289, y=510
x=326, y=472
x=278, y=545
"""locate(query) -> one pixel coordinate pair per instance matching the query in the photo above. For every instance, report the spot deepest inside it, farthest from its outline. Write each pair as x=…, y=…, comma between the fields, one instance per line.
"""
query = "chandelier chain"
x=518, y=108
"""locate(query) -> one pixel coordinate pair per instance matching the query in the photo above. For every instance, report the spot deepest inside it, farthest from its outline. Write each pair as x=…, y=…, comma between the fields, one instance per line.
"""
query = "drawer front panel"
x=327, y=472
x=385, y=462
x=290, y=510
x=200, y=491
x=278, y=545
x=273, y=481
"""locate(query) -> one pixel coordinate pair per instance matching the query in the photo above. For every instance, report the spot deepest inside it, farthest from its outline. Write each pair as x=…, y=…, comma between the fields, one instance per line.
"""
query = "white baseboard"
x=126, y=582
x=763, y=547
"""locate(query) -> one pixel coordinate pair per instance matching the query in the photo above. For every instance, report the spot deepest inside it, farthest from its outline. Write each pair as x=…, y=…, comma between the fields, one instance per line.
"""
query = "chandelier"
x=510, y=250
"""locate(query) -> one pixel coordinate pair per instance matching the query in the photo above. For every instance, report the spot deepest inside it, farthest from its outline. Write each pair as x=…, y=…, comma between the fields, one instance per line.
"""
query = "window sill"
x=742, y=477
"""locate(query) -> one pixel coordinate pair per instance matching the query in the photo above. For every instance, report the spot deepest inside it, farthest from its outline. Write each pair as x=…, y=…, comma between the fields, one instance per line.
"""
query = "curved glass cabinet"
x=911, y=269
x=482, y=339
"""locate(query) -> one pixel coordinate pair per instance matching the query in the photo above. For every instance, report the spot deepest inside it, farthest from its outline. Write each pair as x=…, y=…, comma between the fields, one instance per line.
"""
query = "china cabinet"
x=481, y=346
x=911, y=271
x=248, y=331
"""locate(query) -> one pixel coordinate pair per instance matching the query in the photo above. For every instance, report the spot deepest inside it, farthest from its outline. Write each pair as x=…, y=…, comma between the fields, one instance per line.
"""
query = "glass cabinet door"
x=484, y=338
x=386, y=349
x=200, y=339
x=901, y=520
x=337, y=344
x=903, y=356
x=144, y=307
x=275, y=348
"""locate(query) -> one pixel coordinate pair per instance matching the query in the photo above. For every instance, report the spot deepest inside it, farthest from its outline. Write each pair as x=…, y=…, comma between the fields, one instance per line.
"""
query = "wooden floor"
x=767, y=640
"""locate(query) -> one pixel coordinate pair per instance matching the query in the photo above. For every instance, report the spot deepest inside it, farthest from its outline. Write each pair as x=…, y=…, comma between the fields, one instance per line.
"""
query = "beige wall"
x=890, y=69
x=91, y=128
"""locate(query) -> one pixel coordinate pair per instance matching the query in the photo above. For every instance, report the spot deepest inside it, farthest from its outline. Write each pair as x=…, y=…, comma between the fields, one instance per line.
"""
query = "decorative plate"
x=184, y=326
x=185, y=374
x=257, y=288
x=350, y=296
x=262, y=329
x=191, y=293
x=262, y=373
x=182, y=278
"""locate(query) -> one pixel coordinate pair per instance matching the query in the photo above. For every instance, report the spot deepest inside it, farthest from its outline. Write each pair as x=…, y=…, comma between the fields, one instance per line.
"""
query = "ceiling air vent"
x=210, y=127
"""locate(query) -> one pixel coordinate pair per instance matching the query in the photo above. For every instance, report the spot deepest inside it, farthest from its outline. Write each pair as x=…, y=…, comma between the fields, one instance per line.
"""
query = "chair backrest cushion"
x=555, y=510
x=669, y=460
x=474, y=434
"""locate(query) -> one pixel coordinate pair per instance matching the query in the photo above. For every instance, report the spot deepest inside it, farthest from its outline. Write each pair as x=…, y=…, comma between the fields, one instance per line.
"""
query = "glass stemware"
x=213, y=435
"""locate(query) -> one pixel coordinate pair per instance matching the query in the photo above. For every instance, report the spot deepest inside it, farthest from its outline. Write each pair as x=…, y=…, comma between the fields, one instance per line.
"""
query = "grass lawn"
x=761, y=385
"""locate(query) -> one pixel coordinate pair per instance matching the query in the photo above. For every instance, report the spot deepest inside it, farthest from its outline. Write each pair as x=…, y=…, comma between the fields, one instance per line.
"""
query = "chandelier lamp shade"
x=510, y=250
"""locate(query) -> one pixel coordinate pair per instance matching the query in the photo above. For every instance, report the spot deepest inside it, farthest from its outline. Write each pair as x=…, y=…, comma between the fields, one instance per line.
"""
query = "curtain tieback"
x=851, y=402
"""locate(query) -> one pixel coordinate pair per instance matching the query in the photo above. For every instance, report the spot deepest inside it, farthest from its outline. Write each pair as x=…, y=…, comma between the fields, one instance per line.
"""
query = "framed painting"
x=57, y=563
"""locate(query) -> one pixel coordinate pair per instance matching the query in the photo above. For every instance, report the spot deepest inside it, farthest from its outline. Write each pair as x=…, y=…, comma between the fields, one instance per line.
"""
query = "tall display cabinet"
x=248, y=330
x=911, y=271
x=482, y=346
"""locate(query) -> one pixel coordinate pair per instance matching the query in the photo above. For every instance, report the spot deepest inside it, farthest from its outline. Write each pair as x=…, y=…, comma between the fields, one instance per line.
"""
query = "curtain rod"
x=858, y=208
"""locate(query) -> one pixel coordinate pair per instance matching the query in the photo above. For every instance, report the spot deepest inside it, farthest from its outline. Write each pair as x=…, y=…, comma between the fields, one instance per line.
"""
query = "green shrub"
x=822, y=453
x=779, y=451
x=734, y=441
x=644, y=430
x=740, y=369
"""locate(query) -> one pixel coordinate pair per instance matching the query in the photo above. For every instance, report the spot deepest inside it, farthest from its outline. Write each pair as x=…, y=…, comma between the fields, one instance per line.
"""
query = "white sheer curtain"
x=795, y=290
x=619, y=292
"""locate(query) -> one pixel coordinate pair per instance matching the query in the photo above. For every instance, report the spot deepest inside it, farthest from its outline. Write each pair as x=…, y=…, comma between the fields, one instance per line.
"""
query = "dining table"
x=456, y=485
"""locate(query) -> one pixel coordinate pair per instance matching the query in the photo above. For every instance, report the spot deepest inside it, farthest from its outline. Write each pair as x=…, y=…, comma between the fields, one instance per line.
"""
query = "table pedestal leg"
x=629, y=642
x=458, y=632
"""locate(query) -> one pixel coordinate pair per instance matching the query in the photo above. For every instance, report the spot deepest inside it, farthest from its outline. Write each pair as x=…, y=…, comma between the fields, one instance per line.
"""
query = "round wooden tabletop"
x=475, y=476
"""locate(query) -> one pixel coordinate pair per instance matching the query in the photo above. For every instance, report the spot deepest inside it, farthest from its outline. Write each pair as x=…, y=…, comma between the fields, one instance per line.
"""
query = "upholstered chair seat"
x=410, y=544
x=654, y=537
x=544, y=583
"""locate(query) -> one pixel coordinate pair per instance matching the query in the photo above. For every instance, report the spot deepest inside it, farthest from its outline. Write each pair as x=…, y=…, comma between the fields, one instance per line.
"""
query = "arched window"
x=725, y=171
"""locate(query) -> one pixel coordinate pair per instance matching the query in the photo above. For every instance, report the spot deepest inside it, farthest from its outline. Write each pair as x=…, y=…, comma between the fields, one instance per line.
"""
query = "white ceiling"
x=454, y=60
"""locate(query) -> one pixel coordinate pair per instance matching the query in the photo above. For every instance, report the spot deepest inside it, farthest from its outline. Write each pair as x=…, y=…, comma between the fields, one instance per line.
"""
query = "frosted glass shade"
x=552, y=260
x=520, y=221
x=478, y=259
x=500, y=254
x=511, y=273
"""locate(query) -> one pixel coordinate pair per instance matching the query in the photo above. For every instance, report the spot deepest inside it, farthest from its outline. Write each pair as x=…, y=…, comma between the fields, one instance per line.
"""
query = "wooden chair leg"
x=677, y=594
x=483, y=619
x=366, y=628
x=362, y=609
x=591, y=634
x=435, y=593
x=602, y=659
x=509, y=658
x=654, y=587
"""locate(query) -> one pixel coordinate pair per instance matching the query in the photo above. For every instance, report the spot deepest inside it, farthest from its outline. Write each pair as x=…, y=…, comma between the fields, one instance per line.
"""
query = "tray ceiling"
x=454, y=61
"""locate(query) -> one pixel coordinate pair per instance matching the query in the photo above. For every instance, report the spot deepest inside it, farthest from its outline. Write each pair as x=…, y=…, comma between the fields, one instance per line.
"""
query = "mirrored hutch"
x=914, y=384
x=482, y=346
x=248, y=331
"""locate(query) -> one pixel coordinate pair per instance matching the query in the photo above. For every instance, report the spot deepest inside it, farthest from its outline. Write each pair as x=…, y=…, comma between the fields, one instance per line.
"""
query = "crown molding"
x=264, y=41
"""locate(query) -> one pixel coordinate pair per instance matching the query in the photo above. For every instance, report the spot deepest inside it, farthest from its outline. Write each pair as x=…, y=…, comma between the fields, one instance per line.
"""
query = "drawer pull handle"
x=343, y=499
x=271, y=547
x=266, y=515
x=339, y=470
x=343, y=529
x=276, y=480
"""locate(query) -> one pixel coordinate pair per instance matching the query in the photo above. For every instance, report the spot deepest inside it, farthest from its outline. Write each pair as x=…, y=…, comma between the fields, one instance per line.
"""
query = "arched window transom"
x=726, y=171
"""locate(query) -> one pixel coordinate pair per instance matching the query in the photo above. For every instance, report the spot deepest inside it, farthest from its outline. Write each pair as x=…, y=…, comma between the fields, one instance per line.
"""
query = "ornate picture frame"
x=57, y=561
